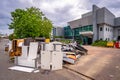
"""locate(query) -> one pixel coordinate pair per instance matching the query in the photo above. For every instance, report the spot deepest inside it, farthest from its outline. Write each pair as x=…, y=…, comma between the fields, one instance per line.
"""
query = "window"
x=100, y=28
x=106, y=29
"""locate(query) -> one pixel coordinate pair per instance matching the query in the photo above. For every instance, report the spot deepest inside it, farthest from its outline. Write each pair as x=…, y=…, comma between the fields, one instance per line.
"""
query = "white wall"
x=106, y=34
x=101, y=33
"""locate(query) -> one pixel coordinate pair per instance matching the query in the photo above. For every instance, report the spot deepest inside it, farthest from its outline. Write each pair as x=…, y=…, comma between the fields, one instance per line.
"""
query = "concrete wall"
x=101, y=33
x=95, y=27
x=87, y=20
x=58, y=31
x=105, y=16
x=116, y=32
x=75, y=23
x=100, y=15
x=87, y=14
x=109, y=17
x=108, y=33
x=117, y=21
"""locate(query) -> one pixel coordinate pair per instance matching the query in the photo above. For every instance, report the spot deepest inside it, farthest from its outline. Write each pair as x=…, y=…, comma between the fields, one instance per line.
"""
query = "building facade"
x=98, y=24
x=58, y=31
x=68, y=32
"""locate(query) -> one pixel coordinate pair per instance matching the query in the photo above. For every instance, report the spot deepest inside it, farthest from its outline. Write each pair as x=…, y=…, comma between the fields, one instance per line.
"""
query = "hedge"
x=100, y=43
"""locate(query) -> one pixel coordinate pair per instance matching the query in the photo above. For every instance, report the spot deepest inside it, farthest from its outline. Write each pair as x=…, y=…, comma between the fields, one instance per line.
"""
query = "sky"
x=58, y=11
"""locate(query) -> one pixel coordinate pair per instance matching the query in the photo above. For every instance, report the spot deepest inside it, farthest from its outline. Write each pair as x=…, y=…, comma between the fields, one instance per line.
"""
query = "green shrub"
x=66, y=41
x=58, y=36
x=100, y=43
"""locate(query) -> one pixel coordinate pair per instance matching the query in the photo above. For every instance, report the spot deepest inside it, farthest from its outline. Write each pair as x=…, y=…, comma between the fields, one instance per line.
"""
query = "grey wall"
x=75, y=23
x=116, y=32
x=87, y=14
x=88, y=20
x=100, y=15
x=117, y=21
x=109, y=17
x=95, y=27
x=105, y=16
x=58, y=31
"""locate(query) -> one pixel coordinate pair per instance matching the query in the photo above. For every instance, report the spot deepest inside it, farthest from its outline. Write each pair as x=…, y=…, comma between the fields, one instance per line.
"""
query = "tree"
x=11, y=36
x=30, y=22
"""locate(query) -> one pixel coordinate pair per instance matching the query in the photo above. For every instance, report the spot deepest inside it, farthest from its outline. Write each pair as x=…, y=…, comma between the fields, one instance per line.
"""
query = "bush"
x=66, y=41
x=79, y=42
x=57, y=36
x=100, y=43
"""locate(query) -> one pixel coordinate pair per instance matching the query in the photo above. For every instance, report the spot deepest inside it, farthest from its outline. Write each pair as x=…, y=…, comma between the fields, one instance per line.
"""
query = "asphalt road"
x=99, y=64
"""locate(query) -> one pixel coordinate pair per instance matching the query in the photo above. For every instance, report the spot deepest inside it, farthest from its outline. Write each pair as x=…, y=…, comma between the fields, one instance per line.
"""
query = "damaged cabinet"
x=51, y=59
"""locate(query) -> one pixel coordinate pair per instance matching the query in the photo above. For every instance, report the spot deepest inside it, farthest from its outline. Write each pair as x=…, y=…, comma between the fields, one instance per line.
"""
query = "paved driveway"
x=100, y=63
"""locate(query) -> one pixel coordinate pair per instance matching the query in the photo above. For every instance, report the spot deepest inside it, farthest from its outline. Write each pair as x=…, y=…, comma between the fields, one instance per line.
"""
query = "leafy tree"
x=12, y=36
x=30, y=22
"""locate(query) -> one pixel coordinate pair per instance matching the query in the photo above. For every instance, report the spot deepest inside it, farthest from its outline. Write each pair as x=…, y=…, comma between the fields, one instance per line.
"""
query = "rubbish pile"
x=72, y=52
x=46, y=55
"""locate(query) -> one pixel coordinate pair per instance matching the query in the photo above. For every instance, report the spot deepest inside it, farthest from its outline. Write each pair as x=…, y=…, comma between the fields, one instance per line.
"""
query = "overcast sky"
x=58, y=11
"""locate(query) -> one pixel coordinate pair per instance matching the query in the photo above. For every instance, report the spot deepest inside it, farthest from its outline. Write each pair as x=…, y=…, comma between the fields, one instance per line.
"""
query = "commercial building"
x=58, y=31
x=98, y=24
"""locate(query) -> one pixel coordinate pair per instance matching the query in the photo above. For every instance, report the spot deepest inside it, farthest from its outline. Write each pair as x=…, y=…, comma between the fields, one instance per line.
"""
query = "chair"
x=29, y=60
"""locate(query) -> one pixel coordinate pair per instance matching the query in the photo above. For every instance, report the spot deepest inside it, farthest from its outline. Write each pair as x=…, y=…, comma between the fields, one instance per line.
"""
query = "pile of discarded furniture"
x=72, y=52
x=29, y=55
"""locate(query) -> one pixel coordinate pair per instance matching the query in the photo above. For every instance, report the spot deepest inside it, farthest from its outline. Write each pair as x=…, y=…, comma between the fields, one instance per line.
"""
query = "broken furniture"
x=30, y=59
x=16, y=47
x=51, y=56
x=69, y=57
x=23, y=56
x=8, y=46
x=27, y=62
x=72, y=52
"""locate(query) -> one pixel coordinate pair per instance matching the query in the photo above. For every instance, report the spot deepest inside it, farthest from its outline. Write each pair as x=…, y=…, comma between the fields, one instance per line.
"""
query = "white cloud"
x=55, y=8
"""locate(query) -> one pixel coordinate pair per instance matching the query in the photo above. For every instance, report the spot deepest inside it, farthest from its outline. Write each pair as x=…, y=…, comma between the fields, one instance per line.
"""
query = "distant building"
x=98, y=24
x=58, y=31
